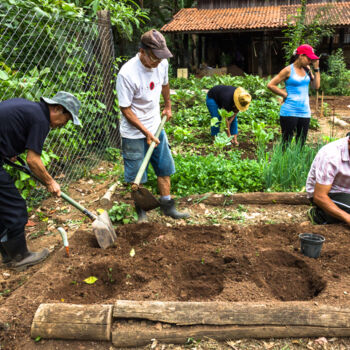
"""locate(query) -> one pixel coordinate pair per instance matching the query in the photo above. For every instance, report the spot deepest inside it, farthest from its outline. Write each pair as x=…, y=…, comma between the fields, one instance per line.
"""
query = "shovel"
x=141, y=196
x=102, y=226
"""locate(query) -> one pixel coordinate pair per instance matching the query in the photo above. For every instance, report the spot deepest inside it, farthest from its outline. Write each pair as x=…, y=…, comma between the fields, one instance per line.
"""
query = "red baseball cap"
x=307, y=50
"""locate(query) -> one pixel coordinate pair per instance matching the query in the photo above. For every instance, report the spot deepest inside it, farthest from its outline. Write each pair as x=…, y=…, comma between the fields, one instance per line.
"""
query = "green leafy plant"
x=110, y=275
x=122, y=213
x=213, y=173
x=24, y=182
x=314, y=124
x=336, y=81
x=222, y=139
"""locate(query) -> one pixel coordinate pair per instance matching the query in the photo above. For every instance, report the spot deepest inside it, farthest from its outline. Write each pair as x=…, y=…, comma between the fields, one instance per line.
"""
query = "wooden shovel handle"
x=149, y=153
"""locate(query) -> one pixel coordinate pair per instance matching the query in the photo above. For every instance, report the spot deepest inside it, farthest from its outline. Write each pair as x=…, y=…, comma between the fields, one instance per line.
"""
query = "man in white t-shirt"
x=140, y=82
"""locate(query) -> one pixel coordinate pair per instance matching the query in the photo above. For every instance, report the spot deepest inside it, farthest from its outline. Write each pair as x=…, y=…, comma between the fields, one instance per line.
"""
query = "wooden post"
x=186, y=51
x=68, y=321
x=321, y=113
x=195, y=51
x=106, y=199
x=106, y=55
x=316, y=104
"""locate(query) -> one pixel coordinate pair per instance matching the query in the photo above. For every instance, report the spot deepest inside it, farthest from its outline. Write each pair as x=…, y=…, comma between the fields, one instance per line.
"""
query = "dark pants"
x=342, y=200
x=291, y=125
x=13, y=208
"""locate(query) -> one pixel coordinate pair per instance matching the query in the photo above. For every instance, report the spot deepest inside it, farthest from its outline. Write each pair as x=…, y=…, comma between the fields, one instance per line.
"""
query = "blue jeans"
x=134, y=151
x=214, y=112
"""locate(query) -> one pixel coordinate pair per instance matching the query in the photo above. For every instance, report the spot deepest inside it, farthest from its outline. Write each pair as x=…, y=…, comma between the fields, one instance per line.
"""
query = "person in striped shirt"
x=328, y=184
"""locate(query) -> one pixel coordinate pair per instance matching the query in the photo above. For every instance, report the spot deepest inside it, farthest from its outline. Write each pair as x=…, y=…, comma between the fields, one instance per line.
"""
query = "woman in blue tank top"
x=295, y=110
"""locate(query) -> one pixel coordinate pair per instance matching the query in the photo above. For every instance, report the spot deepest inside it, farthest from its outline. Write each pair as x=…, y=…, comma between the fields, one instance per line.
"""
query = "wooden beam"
x=134, y=336
x=243, y=314
x=69, y=321
x=249, y=198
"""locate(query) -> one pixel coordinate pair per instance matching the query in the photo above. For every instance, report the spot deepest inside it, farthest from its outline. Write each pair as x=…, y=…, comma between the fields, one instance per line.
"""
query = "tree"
x=301, y=30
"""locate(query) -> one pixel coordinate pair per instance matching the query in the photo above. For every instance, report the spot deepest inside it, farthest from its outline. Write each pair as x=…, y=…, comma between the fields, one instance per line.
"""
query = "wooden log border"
x=70, y=321
x=261, y=198
x=175, y=322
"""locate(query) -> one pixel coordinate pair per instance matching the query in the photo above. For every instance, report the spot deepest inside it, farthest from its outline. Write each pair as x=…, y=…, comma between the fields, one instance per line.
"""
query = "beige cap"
x=155, y=41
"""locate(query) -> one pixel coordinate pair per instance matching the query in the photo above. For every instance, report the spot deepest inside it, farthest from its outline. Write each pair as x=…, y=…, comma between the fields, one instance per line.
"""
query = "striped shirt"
x=331, y=166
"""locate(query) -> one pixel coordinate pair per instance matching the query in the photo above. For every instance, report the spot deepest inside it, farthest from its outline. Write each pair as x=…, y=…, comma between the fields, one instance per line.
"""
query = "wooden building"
x=248, y=34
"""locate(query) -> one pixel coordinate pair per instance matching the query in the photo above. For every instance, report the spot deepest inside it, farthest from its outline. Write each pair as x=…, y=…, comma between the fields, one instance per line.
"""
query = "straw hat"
x=242, y=99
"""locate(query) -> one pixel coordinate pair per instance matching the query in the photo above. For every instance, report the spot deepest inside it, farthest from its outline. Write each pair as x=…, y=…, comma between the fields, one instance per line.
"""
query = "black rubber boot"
x=141, y=215
x=167, y=206
x=21, y=257
x=6, y=259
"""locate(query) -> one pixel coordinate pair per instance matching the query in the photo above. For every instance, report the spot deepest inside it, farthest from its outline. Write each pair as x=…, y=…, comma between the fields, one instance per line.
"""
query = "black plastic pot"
x=311, y=244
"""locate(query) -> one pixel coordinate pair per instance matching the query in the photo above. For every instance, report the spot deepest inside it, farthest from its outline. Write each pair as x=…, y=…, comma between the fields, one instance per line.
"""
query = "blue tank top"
x=297, y=101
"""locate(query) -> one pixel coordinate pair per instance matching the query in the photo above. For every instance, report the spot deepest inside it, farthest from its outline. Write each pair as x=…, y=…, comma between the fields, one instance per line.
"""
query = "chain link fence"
x=41, y=55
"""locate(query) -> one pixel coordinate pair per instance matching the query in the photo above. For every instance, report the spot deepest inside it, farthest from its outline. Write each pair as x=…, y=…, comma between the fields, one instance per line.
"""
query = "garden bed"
x=228, y=263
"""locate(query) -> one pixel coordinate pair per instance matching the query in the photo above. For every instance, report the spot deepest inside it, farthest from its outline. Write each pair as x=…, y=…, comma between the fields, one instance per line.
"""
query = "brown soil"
x=229, y=253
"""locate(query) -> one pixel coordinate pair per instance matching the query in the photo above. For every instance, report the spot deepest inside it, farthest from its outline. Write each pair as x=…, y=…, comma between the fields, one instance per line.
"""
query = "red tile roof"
x=250, y=18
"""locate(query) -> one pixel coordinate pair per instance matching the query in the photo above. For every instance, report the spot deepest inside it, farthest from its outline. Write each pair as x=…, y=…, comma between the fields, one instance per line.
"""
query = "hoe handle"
x=24, y=167
x=149, y=153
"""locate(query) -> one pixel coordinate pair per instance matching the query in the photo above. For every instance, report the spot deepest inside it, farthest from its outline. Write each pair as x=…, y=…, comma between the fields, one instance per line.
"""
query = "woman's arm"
x=283, y=75
x=316, y=82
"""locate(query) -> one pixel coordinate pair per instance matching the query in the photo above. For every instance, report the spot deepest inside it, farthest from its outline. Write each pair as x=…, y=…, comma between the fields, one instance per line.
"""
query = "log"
x=291, y=198
x=340, y=122
x=141, y=336
x=222, y=313
x=69, y=321
x=106, y=199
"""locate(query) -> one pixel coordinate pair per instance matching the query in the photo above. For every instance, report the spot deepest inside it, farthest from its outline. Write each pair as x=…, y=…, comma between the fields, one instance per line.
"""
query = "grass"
x=286, y=170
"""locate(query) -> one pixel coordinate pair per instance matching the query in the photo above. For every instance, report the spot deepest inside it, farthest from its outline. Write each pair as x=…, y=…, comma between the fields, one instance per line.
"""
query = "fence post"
x=107, y=57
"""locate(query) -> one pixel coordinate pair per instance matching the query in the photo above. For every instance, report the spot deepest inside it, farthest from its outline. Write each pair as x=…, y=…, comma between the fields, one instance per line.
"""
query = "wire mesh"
x=41, y=55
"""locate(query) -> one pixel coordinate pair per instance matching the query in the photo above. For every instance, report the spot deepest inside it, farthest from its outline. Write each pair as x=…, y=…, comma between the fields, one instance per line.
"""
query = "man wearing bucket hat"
x=295, y=110
x=328, y=184
x=140, y=82
x=231, y=99
x=24, y=126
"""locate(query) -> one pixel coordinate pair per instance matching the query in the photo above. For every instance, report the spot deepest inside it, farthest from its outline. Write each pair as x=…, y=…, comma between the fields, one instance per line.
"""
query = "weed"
x=109, y=275
x=37, y=234
x=122, y=213
x=241, y=208
x=5, y=292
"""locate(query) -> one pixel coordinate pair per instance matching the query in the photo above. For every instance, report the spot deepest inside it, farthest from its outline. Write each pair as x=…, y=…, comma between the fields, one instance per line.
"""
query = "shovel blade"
x=104, y=217
x=144, y=199
x=105, y=235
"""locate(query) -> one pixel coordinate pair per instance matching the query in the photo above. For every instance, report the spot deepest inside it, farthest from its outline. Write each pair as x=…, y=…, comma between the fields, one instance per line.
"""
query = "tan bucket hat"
x=242, y=99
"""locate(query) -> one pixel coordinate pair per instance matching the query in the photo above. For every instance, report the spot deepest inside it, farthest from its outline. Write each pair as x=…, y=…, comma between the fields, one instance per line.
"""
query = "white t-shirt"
x=140, y=87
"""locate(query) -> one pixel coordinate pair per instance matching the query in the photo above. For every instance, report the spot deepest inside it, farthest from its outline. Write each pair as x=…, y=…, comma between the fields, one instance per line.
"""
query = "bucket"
x=311, y=244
